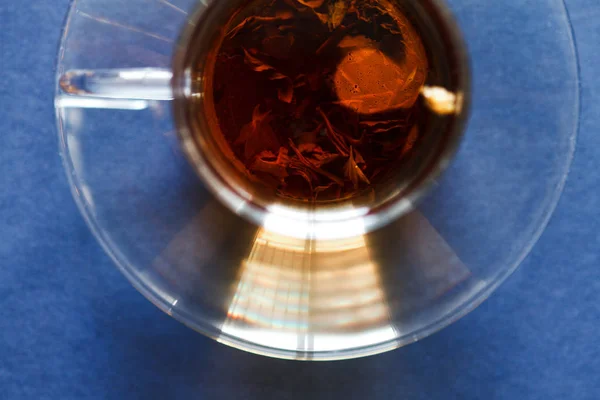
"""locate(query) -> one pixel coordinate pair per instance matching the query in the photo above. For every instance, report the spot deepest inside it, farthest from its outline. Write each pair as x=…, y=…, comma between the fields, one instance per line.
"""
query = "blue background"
x=71, y=327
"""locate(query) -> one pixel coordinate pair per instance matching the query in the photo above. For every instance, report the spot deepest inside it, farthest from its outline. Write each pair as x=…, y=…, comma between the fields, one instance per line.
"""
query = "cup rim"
x=347, y=221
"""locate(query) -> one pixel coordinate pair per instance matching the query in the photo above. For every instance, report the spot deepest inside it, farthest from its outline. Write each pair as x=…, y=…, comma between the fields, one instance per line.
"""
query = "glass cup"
x=185, y=84
x=325, y=282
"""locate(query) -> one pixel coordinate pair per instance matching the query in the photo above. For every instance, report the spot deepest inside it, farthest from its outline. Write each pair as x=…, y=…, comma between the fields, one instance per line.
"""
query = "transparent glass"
x=251, y=286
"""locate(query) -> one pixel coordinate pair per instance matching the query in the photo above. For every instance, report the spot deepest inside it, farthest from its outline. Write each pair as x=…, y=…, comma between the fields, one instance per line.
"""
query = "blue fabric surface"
x=71, y=327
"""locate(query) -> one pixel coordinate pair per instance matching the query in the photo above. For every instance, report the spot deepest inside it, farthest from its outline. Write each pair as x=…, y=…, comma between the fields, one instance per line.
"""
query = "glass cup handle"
x=107, y=88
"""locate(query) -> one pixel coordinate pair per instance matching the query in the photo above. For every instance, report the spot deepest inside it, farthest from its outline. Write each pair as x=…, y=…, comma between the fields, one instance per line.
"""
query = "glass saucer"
x=280, y=296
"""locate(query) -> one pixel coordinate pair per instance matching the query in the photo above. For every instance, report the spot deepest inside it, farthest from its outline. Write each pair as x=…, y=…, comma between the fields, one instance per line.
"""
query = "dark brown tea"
x=317, y=99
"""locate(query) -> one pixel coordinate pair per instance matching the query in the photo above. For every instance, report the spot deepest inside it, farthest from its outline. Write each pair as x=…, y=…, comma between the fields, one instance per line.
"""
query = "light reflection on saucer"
x=307, y=291
x=319, y=295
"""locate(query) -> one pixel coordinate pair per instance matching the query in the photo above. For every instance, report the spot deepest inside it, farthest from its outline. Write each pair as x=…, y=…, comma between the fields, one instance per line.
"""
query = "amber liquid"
x=318, y=100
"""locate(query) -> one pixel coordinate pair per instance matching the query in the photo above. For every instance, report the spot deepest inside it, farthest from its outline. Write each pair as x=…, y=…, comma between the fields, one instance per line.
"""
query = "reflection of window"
x=298, y=288
x=320, y=295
